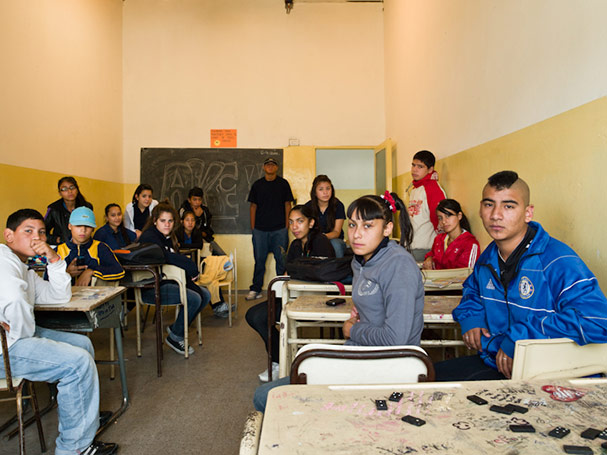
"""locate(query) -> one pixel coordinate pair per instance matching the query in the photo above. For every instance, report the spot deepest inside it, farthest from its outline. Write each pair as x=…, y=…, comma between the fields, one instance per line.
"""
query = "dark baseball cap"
x=270, y=160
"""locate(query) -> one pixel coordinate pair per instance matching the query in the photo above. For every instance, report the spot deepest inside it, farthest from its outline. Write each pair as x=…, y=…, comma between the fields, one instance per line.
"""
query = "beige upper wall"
x=193, y=65
x=61, y=86
x=464, y=72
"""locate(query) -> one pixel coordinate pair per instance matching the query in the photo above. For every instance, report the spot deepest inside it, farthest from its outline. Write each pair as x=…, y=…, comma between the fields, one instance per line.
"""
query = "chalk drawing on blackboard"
x=225, y=175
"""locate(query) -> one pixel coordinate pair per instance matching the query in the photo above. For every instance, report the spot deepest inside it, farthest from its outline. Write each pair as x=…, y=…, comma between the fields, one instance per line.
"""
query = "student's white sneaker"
x=263, y=377
x=253, y=295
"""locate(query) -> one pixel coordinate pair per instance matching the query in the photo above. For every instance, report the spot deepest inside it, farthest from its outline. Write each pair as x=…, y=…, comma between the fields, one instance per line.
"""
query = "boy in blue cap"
x=86, y=257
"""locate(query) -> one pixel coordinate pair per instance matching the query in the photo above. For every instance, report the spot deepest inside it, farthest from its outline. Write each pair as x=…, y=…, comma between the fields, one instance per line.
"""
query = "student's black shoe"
x=178, y=346
x=100, y=448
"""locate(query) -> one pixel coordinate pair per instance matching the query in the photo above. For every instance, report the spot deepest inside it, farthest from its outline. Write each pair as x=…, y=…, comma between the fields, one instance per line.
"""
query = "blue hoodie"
x=552, y=295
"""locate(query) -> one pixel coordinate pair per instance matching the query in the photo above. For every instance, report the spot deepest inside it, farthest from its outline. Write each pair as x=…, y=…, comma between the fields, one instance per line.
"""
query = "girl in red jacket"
x=455, y=247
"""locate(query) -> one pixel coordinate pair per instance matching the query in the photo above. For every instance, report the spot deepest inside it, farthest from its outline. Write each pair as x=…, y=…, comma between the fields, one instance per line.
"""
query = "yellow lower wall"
x=563, y=159
x=32, y=188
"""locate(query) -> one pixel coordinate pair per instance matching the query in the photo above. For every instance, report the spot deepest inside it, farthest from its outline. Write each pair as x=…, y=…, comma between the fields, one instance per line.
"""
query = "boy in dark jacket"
x=86, y=257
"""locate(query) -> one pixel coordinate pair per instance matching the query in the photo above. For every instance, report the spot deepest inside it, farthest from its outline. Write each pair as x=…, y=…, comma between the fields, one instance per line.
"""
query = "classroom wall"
x=61, y=88
x=192, y=65
x=461, y=73
x=562, y=159
x=36, y=189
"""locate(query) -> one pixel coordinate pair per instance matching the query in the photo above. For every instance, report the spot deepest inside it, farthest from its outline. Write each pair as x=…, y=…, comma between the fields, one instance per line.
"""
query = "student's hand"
x=42, y=248
x=472, y=338
x=504, y=363
x=74, y=269
x=348, y=326
x=85, y=278
x=428, y=263
x=354, y=314
x=138, y=234
x=6, y=327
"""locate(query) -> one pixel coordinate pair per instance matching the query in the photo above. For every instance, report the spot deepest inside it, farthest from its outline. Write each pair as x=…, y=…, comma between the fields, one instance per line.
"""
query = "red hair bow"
x=388, y=199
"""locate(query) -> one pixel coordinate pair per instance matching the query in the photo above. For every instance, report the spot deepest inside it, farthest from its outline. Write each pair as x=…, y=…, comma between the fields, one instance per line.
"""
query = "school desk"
x=90, y=308
x=312, y=311
x=313, y=419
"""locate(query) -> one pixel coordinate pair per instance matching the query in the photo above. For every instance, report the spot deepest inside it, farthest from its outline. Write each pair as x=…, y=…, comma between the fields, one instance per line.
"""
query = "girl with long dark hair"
x=455, y=247
x=58, y=213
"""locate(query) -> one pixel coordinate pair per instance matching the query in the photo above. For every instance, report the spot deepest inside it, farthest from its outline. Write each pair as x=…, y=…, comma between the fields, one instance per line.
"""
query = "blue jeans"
x=66, y=358
x=339, y=246
x=265, y=242
x=261, y=393
x=169, y=295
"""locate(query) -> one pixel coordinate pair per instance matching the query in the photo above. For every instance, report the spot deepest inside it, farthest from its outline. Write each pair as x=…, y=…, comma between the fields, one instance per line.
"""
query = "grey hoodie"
x=388, y=293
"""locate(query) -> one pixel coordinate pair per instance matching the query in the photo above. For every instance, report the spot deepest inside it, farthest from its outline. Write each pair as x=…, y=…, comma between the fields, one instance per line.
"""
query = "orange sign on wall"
x=223, y=138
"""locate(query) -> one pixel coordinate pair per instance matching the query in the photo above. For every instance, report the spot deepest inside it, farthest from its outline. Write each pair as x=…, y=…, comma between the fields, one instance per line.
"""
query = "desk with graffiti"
x=312, y=419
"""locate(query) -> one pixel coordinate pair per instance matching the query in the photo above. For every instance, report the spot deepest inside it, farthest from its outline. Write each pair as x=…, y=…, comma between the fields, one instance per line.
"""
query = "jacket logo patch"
x=490, y=285
x=525, y=288
x=368, y=287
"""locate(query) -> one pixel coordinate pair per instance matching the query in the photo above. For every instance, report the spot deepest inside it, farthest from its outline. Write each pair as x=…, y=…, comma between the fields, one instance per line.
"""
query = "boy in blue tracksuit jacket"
x=525, y=285
x=87, y=258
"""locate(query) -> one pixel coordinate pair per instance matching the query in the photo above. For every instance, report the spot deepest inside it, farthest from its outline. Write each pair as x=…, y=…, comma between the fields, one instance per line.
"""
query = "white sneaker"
x=253, y=295
x=263, y=377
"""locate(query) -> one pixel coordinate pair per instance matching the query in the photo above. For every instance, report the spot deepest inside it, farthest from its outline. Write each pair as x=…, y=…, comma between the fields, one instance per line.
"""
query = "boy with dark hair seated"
x=525, y=285
x=424, y=195
x=86, y=257
x=203, y=218
x=44, y=355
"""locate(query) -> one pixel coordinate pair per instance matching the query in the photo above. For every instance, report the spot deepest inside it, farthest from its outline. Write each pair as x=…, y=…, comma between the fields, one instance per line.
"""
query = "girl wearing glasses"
x=58, y=213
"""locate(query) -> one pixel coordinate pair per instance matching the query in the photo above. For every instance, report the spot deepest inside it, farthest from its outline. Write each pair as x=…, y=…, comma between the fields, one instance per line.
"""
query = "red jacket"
x=462, y=252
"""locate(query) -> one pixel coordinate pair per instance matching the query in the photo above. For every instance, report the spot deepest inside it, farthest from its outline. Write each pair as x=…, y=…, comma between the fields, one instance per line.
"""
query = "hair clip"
x=388, y=199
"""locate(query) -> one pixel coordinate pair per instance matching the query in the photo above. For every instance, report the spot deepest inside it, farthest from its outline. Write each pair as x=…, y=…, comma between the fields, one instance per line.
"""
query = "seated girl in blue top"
x=113, y=232
x=188, y=234
x=160, y=229
x=330, y=212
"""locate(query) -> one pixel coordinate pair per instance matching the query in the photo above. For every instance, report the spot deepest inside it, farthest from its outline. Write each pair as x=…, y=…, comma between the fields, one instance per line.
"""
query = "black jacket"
x=203, y=222
x=56, y=220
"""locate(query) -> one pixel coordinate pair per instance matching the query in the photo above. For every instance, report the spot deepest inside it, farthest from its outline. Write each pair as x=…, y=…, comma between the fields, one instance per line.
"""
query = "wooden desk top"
x=437, y=308
x=313, y=419
x=84, y=298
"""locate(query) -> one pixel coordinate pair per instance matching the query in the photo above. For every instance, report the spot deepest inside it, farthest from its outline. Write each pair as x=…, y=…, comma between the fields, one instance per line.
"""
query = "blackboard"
x=225, y=175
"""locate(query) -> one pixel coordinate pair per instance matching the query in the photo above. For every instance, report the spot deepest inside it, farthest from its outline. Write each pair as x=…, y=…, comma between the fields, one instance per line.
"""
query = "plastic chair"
x=15, y=385
x=557, y=358
x=177, y=274
x=333, y=364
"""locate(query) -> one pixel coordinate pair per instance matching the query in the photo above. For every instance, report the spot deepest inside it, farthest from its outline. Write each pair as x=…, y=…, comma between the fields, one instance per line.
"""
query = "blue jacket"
x=96, y=256
x=552, y=295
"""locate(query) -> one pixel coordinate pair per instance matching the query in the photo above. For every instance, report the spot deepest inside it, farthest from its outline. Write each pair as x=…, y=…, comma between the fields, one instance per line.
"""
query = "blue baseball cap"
x=83, y=216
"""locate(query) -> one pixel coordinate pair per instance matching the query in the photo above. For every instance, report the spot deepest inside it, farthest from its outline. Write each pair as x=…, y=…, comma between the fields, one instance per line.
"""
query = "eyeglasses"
x=65, y=189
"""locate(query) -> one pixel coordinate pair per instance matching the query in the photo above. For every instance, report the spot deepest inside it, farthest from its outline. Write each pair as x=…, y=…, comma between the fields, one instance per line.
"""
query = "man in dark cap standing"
x=270, y=199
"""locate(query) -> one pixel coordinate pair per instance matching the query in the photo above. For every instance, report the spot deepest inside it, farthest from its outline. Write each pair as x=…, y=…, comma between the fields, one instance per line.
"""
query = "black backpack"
x=320, y=269
x=141, y=254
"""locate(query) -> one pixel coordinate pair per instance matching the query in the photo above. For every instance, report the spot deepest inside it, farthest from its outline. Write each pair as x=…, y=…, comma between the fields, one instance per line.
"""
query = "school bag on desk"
x=141, y=254
x=320, y=269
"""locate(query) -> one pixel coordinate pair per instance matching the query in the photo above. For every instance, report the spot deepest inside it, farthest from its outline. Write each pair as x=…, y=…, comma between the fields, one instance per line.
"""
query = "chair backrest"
x=557, y=358
x=333, y=364
x=7, y=384
x=177, y=274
